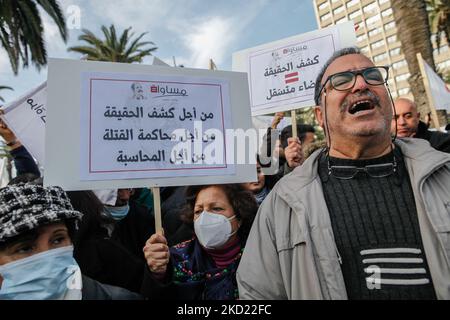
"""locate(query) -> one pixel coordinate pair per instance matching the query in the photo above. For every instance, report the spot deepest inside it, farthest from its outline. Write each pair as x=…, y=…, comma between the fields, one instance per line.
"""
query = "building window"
x=359, y=26
x=387, y=12
x=323, y=5
x=402, y=77
x=394, y=52
x=377, y=44
x=334, y=1
x=399, y=64
x=342, y=20
x=373, y=19
x=443, y=65
x=370, y=7
x=380, y=57
x=389, y=25
x=354, y=14
x=374, y=32
x=403, y=91
x=442, y=49
x=361, y=37
x=382, y=1
x=392, y=39
x=338, y=10
x=352, y=3
x=326, y=16
x=365, y=49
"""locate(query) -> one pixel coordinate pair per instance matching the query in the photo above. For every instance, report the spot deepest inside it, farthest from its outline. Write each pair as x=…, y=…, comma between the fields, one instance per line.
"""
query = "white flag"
x=440, y=92
x=26, y=118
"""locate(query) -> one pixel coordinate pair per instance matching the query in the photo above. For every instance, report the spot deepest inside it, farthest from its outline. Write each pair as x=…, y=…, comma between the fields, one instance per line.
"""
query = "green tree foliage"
x=113, y=48
x=22, y=32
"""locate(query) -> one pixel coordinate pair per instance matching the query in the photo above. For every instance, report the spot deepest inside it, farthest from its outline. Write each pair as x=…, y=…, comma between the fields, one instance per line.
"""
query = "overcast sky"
x=191, y=30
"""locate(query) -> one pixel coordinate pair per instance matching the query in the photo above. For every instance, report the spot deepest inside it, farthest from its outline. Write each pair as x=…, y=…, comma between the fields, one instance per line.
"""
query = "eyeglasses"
x=344, y=81
x=374, y=170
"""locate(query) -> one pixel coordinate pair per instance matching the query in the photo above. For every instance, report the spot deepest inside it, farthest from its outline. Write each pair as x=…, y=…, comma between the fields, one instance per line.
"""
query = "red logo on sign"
x=291, y=77
x=154, y=89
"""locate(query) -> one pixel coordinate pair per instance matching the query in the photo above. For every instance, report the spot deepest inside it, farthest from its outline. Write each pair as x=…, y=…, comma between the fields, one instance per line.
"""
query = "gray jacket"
x=291, y=252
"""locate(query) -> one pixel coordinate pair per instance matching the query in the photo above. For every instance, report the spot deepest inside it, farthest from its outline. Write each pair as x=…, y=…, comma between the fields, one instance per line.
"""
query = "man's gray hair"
x=337, y=54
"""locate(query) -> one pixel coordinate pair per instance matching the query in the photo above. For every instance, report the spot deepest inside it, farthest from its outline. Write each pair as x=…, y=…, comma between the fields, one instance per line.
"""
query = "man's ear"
x=418, y=115
x=319, y=116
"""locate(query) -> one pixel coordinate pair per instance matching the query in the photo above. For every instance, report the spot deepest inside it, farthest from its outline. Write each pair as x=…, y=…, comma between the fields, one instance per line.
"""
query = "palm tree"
x=439, y=14
x=22, y=32
x=113, y=48
x=411, y=18
x=4, y=88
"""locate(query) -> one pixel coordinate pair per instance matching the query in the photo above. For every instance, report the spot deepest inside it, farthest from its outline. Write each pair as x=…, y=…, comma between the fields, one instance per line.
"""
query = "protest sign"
x=439, y=91
x=116, y=125
x=26, y=117
x=264, y=122
x=427, y=83
x=159, y=62
x=282, y=74
x=145, y=126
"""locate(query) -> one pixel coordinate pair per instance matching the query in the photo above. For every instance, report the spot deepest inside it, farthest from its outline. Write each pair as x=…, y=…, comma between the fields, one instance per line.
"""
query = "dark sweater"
x=377, y=232
x=24, y=162
x=438, y=140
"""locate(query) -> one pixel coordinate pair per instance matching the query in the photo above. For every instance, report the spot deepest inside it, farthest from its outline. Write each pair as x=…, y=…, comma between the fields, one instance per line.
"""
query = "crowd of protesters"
x=374, y=194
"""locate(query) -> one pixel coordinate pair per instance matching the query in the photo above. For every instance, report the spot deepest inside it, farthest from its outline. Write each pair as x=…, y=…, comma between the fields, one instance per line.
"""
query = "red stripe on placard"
x=293, y=74
x=292, y=80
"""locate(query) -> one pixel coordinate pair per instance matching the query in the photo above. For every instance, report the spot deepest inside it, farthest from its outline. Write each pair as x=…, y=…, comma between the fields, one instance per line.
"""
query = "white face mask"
x=213, y=230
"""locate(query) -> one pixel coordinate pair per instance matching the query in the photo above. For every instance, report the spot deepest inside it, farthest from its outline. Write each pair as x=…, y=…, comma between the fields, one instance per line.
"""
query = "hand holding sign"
x=8, y=136
x=157, y=254
x=277, y=119
x=293, y=152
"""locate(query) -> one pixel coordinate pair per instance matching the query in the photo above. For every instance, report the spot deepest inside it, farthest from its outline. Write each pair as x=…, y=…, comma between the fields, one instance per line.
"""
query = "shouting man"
x=363, y=218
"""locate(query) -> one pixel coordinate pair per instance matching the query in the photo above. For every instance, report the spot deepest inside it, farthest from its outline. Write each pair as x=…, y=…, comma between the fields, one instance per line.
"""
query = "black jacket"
x=117, y=259
x=438, y=140
x=94, y=290
x=24, y=162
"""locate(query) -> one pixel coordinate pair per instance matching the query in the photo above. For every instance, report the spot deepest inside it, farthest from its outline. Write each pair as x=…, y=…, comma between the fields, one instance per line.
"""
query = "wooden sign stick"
x=294, y=124
x=157, y=209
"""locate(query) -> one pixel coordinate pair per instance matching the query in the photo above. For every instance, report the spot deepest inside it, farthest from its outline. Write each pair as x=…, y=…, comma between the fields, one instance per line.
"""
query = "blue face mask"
x=43, y=276
x=117, y=213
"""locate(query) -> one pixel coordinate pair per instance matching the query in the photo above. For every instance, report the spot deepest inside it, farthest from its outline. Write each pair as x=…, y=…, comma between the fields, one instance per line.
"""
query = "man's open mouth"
x=362, y=105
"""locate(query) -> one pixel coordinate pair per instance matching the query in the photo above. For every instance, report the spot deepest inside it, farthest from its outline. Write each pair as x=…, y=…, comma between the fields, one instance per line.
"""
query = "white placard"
x=282, y=74
x=142, y=126
x=440, y=92
x=26, y=117
x=264, y=122
x=159, y=62
x=81, y=136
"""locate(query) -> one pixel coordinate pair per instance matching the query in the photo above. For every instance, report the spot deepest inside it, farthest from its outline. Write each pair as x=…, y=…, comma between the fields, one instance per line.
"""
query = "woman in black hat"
x=37, y=225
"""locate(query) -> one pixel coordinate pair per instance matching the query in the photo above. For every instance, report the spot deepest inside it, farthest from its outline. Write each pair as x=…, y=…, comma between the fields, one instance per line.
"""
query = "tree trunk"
x=413, y=30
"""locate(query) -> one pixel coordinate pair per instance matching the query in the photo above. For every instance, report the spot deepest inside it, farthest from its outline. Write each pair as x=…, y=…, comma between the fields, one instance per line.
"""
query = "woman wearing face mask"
x=203, y=268
x=37, y=225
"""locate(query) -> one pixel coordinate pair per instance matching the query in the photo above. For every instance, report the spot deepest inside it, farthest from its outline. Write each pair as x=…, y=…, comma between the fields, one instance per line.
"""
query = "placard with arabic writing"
x=146, y=126
x=282, y=74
